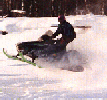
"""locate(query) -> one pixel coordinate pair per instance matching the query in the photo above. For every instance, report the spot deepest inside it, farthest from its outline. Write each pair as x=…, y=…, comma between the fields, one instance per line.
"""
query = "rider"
x=66, y=29
x=68, y=35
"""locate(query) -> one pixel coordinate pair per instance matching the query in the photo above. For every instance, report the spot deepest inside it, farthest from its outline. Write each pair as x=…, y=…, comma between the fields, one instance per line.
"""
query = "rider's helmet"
x=61, y=17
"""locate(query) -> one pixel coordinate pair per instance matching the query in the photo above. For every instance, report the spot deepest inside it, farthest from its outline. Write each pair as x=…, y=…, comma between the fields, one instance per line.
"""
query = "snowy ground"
x=22, y=80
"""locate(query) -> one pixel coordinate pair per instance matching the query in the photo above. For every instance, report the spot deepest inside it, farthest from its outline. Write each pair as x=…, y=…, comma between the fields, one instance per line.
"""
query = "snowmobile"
x=44, y=48
x=51, y=49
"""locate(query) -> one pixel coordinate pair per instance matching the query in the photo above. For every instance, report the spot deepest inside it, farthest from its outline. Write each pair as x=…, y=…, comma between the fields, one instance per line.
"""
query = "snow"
x=22, y=80
x=18, y=11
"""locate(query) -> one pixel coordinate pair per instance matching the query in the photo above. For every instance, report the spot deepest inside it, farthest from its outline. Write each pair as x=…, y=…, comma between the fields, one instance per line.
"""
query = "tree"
x=105, y=7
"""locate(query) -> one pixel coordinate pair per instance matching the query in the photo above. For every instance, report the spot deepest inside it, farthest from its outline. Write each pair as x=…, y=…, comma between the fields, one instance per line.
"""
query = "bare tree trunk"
x=19, y=4
x=40, y=8
x=47, y=8
x=32, y=8
x=27, y=7
x=5, y=7
x=12, y=3
x=55, y=8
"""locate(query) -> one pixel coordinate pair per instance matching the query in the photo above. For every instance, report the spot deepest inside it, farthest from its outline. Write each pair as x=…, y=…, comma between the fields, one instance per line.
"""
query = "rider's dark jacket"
x=66, y=29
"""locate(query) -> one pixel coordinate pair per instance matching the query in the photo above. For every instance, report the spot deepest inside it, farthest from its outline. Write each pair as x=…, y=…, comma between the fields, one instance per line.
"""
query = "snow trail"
x=90, y=45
